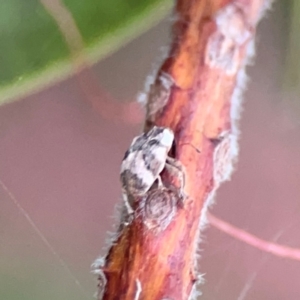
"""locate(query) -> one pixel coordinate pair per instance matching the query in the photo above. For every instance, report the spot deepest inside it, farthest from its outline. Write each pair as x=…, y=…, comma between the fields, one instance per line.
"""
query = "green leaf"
x=33, y=50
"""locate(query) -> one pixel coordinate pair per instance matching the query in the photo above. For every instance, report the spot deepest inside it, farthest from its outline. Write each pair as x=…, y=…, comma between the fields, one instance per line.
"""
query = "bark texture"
x=197, y=93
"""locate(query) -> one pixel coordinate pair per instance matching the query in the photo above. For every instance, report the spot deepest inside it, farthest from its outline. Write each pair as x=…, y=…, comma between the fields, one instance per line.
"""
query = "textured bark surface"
x=200, y=103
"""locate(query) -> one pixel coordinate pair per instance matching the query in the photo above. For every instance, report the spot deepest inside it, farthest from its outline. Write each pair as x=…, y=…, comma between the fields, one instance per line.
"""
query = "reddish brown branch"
x=196, y=95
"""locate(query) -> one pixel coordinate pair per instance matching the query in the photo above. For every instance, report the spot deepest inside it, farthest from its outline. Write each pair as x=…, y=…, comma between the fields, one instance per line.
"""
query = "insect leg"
x=176, y=168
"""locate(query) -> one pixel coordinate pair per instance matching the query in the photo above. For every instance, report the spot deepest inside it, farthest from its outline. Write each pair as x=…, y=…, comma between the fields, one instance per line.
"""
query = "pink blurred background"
x=61, y=159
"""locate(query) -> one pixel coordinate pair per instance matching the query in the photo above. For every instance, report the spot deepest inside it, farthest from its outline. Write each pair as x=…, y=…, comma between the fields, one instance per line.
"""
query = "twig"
x=275, y=249
x=197, y=94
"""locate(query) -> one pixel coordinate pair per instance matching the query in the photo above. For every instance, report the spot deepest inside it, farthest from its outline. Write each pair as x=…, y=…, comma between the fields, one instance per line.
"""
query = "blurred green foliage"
x=33, y=51
x=29, y=39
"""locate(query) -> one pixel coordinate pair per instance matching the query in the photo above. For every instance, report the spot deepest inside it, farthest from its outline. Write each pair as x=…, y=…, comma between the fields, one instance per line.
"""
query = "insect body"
x=144, y=160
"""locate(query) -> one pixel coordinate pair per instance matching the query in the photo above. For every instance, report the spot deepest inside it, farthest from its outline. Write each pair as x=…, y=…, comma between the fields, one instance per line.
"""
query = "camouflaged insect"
x=144, y=161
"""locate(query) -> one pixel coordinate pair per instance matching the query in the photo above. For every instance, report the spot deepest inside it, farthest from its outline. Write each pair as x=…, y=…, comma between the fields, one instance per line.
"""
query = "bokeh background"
x=60, y=154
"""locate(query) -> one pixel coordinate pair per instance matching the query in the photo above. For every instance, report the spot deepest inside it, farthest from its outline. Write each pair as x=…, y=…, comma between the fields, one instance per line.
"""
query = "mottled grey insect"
x=145, y=159
x=143, y=162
